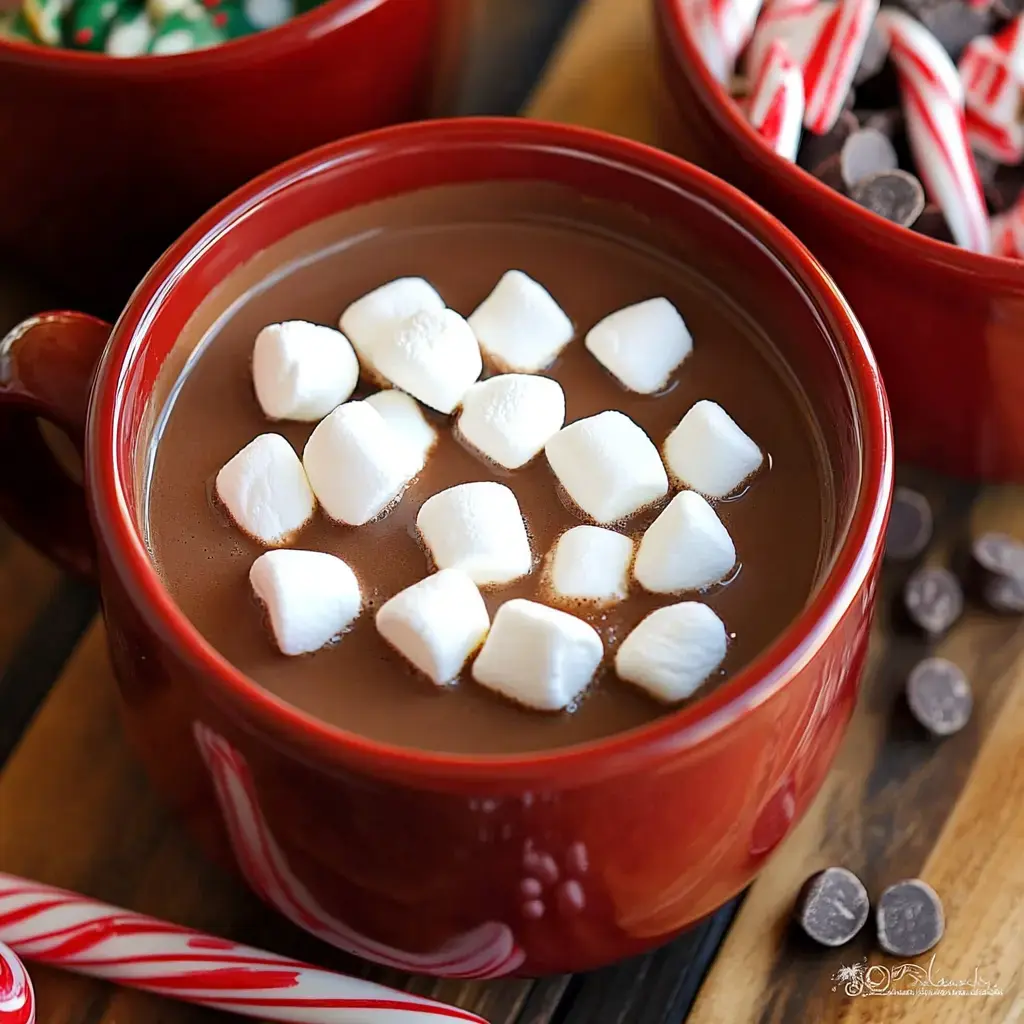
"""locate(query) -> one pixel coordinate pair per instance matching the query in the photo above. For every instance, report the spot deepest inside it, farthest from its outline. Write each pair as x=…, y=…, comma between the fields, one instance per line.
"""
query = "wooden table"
x=76, y=811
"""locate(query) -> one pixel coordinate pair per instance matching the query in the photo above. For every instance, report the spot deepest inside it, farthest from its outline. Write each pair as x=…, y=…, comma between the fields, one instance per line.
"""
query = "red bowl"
x=419, y=859
x=947, y=325
x=107, y=160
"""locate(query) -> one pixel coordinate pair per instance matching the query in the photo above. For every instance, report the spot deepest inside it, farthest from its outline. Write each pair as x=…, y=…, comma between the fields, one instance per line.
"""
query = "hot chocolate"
x=594, y=259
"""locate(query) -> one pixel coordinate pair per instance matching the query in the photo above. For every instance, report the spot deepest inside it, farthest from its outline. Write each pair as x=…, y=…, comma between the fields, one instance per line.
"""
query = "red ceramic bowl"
x=417, y=859
x=947, y=325
x=106, y=160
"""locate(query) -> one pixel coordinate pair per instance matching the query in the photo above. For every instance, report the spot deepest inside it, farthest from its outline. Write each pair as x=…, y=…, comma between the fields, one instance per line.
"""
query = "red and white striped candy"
x=17, y=1000
x=1010, y=41
x=720, y=29
x=933, y=107
x=63, y=929
x=1008, y=232
x=993, y=98
x=826, y=40
x=776, y=105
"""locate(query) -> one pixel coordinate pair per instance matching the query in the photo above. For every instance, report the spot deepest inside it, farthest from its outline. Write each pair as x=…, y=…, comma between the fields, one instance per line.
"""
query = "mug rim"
x=303, y=28
x=780, y=661
x=884, y=233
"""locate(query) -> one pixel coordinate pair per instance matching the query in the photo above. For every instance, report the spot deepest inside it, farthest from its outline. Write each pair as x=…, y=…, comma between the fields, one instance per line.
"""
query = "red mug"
x=945, y=323
x=107, y=160
x=423, y=860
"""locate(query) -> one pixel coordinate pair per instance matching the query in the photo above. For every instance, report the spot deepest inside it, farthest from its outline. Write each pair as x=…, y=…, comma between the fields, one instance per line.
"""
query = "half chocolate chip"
x=909, y=918
x=894, y=195
x=939, y=696
x=833, y=906
x=910, y=525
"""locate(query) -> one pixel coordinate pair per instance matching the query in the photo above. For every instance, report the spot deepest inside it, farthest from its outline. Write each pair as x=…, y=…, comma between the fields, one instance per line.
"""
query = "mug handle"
x=47, y=364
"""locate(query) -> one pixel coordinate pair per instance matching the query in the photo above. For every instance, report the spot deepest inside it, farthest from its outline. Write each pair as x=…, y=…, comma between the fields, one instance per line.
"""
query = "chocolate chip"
x=895, y=195
x=910, y=525
x=833, y=906
x=830, y=173
x=909, y=918
x=866, y=152
x=872, y=58
x=939, y=696
x=933, y=600
x=1004, y=594
x=999, y=554
x=816, y=149
x=1008, y=8
x=954, y=24
x=888, y=121
x=932, y=223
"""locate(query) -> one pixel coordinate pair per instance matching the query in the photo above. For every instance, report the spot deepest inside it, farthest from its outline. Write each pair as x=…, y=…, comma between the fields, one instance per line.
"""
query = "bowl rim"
x=844, y=585
x=884, y=234
x=295, y=32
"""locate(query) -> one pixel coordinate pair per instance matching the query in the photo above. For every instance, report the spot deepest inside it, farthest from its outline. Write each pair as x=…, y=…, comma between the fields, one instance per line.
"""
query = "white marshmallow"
x=509, y=418
x=520, y=326
x=268, y=13
x=302, y=371
x=403, y=415
x=436, y=624
x=673, y=650
x=709, y=452
x=311, y=597
x=478, y=528
x=607, y=465
x=641, y=345
x=378, y=313
x=356, y=464
x=434, y=356
x=538, y=656
x=592, y=564
x=687, y=547
x=265, y=490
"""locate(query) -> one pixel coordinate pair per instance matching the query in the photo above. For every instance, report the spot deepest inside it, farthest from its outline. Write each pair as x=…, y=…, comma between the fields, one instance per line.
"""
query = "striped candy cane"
x=62, y=929
x=720, y=29
x=17, y=1000
x=1008, y=232
x=488, y=951
x=993, y=98
x=776, y=106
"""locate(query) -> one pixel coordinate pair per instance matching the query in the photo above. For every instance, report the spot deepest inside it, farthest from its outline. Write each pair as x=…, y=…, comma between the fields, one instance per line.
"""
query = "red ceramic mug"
x=417, y=859
x=945, y=323
x=106, y=160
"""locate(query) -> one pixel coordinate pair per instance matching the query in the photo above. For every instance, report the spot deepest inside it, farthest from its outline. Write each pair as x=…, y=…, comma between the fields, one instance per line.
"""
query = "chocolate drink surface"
x=594, y=258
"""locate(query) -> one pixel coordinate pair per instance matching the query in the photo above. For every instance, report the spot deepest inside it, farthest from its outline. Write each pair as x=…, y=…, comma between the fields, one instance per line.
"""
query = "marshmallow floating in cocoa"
x=356, y=464
x=402, y=413
x=673, y=651
x=538, y=656
x=590, y=563
x=265, y=490
x=520, y=327
x=478, y=528
x=509, y=418
x=775, y=108
x=686, y=548
x=708, y=451
x=608, y=466
x=301, y=371
x=641, y=345
x=310, y=597
x=436, y=624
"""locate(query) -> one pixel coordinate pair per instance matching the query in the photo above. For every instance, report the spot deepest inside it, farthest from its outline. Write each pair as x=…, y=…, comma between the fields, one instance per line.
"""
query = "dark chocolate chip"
x=934, y=600
x=1002, y=192
x=999, y=554
x=939, y=696
x=816, y=149
x=986, y=167
x=1008, y=8
x=866, y=152
x=932, y=223
x=833, y=906
x=909, y=918
x=954, y=24
x=1004, y=594
x=830, y=173
x=895, y=195
x=888, y=121
x=910, y=525
x=872, y=58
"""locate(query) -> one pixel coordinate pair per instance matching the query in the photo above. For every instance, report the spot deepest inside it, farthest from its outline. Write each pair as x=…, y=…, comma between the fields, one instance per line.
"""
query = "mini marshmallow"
x=302, y=371
x=520, y=326
x=310, y=597
x=356, y=464
x=673, y=650
x=432, y=355
x=478, y=528
x=710, y=453
x=607, y=465
x=641, y=344
x=509, y=418
x=592, y=564
x=436, y=624
x=403, y=415
x=687, y=547
x=378, y=313
x=265, y=490
x=538, y=656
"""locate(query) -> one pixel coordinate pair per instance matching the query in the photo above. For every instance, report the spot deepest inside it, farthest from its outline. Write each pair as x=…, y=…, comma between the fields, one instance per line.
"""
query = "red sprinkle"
x=220, y=19
x=84, y=35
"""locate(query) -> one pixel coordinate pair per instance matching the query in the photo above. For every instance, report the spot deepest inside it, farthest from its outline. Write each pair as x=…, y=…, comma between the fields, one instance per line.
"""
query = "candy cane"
x=933, y=105
x=487, y=951
x=62, y=929
x=1010, y=41
x=1008, y=232
x=17, y=1000
x=993, y=97
x=776, y=107
x=720, y=29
